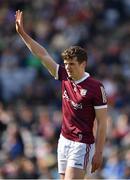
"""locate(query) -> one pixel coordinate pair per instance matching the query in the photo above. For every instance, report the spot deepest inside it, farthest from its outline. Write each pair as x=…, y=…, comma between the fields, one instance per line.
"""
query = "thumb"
x=17, y=22
x=92, y=169
x=18, y=28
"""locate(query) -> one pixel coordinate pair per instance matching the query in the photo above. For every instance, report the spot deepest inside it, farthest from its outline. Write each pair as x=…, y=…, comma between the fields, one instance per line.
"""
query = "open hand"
x=96, y=162
x=19, y=21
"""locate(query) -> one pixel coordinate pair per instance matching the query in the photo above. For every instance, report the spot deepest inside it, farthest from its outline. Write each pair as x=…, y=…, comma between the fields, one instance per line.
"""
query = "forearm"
x=34, y=47
x=100, y=138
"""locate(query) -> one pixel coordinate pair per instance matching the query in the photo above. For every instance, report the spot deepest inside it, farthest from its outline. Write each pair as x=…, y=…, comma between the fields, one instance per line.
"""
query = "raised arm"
x=35, y=47
x=101, y=117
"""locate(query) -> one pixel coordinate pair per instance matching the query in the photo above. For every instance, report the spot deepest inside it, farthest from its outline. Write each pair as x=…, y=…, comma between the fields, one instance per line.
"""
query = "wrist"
x=98, y=152
x=21, y=32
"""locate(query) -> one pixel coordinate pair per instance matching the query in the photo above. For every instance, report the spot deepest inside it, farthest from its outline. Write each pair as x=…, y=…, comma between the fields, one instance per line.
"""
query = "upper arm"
x=40, y=52
x=49, y=63
x=101, y=116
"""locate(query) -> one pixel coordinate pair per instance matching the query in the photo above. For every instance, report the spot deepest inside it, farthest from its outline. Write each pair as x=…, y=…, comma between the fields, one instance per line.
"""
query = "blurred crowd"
x=30, y=99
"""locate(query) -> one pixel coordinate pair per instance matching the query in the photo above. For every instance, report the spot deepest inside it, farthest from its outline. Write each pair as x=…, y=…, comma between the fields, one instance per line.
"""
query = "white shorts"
x=74, y=154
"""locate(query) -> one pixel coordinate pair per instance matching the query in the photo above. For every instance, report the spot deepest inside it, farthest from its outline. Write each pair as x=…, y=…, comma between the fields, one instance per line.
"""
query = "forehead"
x=71, y=60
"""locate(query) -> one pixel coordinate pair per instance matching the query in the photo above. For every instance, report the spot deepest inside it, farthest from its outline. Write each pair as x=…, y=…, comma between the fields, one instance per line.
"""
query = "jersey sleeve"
x=100, y=97
x=60, y=73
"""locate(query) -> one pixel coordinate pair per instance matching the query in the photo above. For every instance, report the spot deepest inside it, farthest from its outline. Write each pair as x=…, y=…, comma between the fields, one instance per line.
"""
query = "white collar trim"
x=86, y=75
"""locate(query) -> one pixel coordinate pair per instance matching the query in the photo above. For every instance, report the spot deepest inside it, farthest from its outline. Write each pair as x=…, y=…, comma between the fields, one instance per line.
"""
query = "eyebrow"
x=68, y=62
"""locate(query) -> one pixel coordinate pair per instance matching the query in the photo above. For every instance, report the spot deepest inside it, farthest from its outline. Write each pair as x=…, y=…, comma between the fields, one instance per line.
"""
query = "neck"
x=79, y=77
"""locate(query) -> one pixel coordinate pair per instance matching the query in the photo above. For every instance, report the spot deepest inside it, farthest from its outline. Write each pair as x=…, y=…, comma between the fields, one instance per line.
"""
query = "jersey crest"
x=75, y=105
x=83, y=92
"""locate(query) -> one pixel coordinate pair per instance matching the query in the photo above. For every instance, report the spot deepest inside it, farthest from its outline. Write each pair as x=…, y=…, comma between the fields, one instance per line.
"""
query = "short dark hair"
x=75, y=51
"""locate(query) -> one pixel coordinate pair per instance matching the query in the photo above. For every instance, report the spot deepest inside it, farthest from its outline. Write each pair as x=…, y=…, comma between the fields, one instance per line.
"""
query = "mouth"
x=69, y=73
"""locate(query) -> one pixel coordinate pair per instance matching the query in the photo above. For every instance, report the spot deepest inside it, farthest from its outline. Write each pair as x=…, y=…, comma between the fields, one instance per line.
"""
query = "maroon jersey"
x=79, y=101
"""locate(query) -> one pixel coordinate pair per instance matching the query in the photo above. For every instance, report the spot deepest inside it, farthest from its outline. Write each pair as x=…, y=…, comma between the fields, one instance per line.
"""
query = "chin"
x=69, y=74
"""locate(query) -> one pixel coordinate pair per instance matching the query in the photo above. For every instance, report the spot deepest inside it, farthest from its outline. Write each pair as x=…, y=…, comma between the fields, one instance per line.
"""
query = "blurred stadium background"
x=30, y=99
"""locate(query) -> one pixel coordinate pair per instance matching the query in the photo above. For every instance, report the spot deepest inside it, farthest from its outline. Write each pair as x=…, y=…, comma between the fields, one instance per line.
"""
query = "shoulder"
x=99, y=93
x=96, y=87
x=61, y=73
x=94, y=82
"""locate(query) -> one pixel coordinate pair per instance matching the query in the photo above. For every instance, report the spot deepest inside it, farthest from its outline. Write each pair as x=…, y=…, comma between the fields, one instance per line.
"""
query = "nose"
x=67, y=66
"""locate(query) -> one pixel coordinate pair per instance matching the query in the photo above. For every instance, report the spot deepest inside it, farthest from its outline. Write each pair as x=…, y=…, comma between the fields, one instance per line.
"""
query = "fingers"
x=95, y=166
x=18, y=12
x=18, y=15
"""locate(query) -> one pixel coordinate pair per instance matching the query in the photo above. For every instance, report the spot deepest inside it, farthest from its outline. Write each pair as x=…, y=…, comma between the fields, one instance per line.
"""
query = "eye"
x=65, y=64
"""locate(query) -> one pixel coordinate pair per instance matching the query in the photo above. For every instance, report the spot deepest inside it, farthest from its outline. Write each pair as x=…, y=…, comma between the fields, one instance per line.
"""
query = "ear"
x=84, y=63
